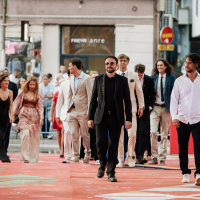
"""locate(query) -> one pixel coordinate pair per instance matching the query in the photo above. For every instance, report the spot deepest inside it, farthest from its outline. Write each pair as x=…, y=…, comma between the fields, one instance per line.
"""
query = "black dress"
x=4, y=121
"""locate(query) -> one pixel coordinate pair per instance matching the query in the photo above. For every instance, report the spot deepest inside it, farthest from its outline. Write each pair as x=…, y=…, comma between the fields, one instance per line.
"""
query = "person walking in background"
x=93, y=132
x=185, y=98
x=110, y=94
x=61, y=115
x=143, y=133
x=6, y=108
x=46, y=90
x=163, y=85
x=77, y=112
x=50, y=76
x=52, y=118
x=13, y=87
x=20, y=84
x=63, y=73
x=135, y=89
x=28, y=106
x=14, y=77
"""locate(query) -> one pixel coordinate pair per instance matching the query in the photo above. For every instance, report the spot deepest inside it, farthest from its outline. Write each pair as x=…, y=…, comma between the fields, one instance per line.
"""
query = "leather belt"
x=160, y=105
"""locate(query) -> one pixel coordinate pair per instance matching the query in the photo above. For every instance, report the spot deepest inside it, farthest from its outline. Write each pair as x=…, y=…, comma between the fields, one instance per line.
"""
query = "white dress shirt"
x=65, y=75
x=158, y=91
x=142, y=80
x=185, y=98
x=13, y=79
x=125, y=73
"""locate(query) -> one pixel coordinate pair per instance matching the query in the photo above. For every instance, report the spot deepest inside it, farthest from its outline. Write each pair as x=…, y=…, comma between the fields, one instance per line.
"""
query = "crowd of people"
x=107, y=117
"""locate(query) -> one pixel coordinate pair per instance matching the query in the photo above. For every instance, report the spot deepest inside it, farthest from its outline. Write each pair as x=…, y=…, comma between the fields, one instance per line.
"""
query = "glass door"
x=65, y=61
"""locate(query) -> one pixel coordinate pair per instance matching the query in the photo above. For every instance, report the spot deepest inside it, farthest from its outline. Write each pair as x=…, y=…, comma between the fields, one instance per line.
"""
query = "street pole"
x=3, y=32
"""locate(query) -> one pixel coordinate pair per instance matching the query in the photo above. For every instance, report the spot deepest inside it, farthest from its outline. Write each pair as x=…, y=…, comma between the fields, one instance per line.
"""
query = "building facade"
x=89, y=30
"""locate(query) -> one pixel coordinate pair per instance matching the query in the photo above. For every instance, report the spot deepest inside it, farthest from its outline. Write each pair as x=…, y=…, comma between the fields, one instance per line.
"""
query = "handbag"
x=16, y=119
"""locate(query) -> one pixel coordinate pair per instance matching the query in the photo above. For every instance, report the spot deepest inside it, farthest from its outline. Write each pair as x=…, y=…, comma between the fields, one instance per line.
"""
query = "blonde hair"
x=25, y=87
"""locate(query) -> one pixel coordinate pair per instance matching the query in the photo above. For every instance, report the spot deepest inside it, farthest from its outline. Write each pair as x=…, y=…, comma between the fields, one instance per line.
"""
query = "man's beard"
x=188, y=70
x=110, y=71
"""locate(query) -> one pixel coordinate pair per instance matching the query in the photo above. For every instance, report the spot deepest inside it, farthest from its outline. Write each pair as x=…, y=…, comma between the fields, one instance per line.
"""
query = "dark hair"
x=195, y=58
x=18, y=83
x=113, y=58
x=68, y=72
x=121, y=56
x=168, y=70
x=17, y=70
x=140, y=68
x=77, y=62
x=34, y=74
x=49, y=75
x=2, y=77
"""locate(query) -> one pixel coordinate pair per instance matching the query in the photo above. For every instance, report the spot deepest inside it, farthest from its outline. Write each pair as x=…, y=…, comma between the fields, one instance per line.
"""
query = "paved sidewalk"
x=50, y=179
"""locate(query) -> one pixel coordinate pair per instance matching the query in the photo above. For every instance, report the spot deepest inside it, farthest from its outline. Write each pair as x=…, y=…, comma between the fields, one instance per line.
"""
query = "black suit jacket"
x=148, y=91
x=121, y=97
x=13, y=87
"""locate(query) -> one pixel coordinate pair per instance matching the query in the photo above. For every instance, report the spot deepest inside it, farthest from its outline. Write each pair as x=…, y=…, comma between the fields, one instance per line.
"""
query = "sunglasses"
x=111, y=63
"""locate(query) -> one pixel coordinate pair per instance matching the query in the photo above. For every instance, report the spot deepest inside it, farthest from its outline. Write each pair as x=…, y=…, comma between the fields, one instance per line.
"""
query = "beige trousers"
x=131, y=140
x=30, y=145
x=161, y=115
x=76, y=121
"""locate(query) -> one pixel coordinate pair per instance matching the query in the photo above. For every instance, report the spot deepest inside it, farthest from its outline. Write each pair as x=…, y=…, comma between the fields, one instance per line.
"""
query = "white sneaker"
x=86, y=159
x=120, y=165
x=73, y=160
x=66, y=160
x=131, y=162
x=186, y=178
x=97, y=162
x=197, y=181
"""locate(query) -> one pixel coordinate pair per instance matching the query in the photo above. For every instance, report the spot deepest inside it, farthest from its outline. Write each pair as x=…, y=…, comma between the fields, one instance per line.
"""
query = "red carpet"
x=50, y=179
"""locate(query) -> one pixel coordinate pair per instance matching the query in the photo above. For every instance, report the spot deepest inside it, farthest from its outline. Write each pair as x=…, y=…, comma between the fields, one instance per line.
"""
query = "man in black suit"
x=107, y=113
x=143, y=132
x=13, y=87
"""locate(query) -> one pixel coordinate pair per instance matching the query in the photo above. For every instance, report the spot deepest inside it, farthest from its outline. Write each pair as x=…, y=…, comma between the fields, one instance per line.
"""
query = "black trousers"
x=7, y=137
x=184, y=131
x=93, y=143
x=109, y=123
x=143, y=134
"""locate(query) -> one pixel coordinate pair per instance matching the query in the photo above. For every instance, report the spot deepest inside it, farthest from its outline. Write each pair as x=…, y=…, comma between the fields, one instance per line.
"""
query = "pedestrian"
x=92, y=131
x=110, y=94
x=6, y=108
x=77, y=113
x=13, y=87
x=14, y=77
x=163, y=85
x=63, y=73
x=52, y=118
x=20, y=84
x=143, y=132
x=61, y=115
x=28, y=107
x=46, y=90
x=135, y=89
x=185, y=98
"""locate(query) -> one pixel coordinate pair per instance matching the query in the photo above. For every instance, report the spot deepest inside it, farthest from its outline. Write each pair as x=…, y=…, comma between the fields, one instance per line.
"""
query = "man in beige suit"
x=77, y=113
x=134, y=86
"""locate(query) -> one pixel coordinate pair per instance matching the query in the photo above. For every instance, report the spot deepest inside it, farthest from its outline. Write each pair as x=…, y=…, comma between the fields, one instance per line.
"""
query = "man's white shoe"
x=73, y=160
x=186, y=178
x=197, y=181
x=66, y=160
x=97, y=162
x=120, y=165
x=131, y=162
x=86, y=159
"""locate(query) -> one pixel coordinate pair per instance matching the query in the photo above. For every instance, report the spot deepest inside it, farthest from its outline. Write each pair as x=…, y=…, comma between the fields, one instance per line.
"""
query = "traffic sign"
x=162, y=47
x=166, y=35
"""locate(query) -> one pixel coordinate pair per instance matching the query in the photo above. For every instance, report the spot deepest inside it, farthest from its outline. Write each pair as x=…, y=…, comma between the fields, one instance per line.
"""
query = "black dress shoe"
x=101, y=172
x=141, y=160
x=112, y=178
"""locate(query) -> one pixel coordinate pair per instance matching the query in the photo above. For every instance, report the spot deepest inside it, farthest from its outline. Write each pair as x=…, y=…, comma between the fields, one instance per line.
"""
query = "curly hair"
x=25, y=87
x=195, y=58
x=168, y=70
x=2, y=77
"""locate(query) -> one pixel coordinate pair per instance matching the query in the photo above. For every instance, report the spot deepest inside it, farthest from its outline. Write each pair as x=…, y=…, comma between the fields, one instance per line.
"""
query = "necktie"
x=161, y=87
x=123, y=73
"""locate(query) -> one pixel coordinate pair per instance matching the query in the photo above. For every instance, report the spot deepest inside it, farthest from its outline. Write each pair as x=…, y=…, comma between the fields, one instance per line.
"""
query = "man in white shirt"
x=185, y=98
x=62, y=73
x=14, y=76
x=163, y=85
x=134, y=86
